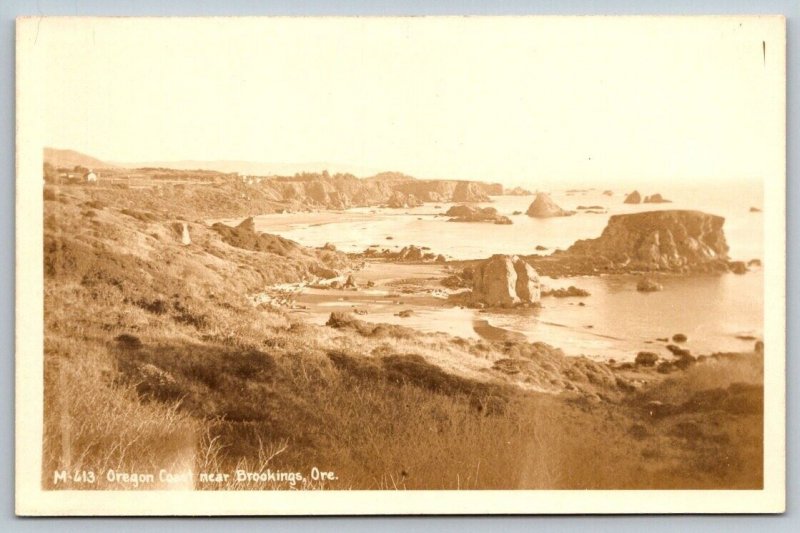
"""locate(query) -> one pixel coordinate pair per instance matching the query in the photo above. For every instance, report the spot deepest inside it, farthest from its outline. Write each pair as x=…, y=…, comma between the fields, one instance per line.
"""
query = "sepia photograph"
x=488, y=257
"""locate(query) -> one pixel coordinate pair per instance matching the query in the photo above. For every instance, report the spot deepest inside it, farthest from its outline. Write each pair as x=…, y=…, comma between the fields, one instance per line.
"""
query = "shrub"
x=646, y=358
x=128, y=342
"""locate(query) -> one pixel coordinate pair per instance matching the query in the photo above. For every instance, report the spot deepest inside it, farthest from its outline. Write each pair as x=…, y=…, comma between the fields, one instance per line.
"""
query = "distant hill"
x=70, y=159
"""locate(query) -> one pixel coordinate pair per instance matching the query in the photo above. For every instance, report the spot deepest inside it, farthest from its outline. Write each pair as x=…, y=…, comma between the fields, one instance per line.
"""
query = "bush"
x=128, y=342
x=646, y=358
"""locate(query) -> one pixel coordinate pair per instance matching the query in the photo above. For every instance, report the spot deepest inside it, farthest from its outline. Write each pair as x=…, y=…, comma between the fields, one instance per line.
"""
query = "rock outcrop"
x=633, y=198
x=470, y=191
x=648, y=285
x=544, y=207
x=410, y=253
x=566, y=292
x=245, y=236
x=186, y=239
x=399, y=200
x=467, y=213
x=519, y=191
x=505, y=281
x=656, y=199
x=738, y=267
x=675, y=240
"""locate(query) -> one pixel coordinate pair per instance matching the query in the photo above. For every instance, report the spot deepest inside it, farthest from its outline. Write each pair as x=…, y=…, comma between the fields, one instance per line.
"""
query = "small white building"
x=91, y=176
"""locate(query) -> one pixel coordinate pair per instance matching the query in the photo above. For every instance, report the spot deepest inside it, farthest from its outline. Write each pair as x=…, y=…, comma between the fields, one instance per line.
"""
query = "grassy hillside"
x=157, y=355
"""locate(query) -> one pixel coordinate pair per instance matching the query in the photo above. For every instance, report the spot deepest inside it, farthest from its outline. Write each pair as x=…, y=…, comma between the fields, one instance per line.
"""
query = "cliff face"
x=659, y=240
x=427, y=190
x=449, y=190
x=343, y=190
x=470, y=191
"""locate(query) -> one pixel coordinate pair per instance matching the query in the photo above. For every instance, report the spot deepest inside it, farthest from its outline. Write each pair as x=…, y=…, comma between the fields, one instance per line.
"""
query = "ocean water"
x=616, y=320
x=355, y=229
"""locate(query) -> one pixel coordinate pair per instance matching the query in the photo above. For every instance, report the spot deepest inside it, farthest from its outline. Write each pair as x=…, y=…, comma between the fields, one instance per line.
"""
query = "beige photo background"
x=711, y=64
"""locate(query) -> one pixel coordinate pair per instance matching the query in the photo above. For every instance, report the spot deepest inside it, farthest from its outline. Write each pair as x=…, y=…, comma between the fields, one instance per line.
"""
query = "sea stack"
x=660, y=240
x=544, y=207
x=656, y=199
x=633, y=198
x=505, y=281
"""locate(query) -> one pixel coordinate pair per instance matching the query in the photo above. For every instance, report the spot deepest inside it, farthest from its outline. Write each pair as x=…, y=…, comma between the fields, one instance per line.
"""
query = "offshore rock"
x=544, y=207
x=505, y=281
x=633, y=198
x=673, y=240
x=467, y=213
x=656, y=199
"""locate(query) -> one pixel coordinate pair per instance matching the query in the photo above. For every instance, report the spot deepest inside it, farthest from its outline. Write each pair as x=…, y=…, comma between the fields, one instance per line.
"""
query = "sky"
x=517, y=100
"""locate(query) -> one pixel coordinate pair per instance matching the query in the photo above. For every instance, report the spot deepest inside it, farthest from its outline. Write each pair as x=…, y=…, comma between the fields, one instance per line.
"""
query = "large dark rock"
x=659, y=240
x=505, y=281
x=544, y=207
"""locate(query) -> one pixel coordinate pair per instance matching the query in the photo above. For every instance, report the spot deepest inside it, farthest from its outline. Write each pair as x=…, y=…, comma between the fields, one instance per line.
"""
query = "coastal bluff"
x=670, y=240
